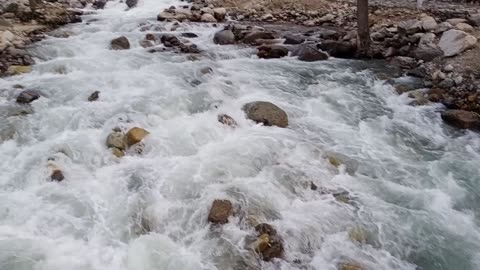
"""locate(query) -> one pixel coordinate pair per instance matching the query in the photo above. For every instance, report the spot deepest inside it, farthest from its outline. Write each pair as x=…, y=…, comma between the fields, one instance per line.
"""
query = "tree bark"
x=363, y=28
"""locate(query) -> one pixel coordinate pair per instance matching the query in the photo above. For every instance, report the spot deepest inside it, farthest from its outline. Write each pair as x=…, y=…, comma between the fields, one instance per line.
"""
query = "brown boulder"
x=268, y=245
x=267, y=113
x=135, y=135
x=120, y=43
x=220, y=212
x=462, y=119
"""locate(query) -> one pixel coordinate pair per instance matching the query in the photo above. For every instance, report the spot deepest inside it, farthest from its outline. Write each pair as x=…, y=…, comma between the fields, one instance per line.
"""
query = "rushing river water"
x=416, y=192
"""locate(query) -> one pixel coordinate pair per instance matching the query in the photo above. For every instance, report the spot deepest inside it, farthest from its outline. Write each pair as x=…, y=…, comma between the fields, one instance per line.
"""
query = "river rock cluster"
x=19, y=27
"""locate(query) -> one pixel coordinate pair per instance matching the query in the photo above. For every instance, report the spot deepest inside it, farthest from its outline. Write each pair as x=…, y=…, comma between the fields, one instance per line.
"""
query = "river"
x=416, y=193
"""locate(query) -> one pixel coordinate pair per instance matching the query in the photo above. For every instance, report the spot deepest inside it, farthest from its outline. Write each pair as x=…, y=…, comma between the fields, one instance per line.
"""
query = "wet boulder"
x=220, y=211
x=462, y=119
x=293, y=39
x=94, y=96
x=266, y=113
x=269, y=244
x=170, y=40
x=120, y=43
x=57, y=175
x=117, y=152
x=309, y=53
x=28, y=96
x=253, y=37
x=454, y=42
x=99, y=4
x=116, y=140
x=340, y=49
x=135, y=135
x=189, y=35
x=226, y=120
x=131, y=3
x=350, y=266
x=272, y=51
x=224, y=37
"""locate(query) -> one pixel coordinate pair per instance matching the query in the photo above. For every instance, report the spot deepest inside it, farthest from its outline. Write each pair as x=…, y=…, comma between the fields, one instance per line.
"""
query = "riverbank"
x=19, y=28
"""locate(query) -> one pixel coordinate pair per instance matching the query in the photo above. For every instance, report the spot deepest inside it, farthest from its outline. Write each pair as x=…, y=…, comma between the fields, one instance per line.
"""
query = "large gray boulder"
x=454, y=42
x=224, y=37
x=272, y=51
x=267, y=113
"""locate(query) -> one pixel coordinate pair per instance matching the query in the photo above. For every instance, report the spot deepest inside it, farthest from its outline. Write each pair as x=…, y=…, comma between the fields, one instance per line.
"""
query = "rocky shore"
x=20, y=27
x=437, y=45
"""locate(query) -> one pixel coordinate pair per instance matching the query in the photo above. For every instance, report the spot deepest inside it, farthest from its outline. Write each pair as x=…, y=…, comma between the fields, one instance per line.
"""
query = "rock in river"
x=267, y=113
x=272, y=51
x=116, y=140
x=28, y=96
x=308, y=53
x=224, y=37
x=135, y=135
x=120, y=43
x=462, y=119
x=220, y=212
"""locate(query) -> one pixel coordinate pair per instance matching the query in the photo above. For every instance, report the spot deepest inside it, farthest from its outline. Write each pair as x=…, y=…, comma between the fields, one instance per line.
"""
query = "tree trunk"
x=33, y=6
x=363, y=28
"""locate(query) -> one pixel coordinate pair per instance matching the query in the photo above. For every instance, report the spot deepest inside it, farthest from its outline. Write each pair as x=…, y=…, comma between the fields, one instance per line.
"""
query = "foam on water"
x=416, y=191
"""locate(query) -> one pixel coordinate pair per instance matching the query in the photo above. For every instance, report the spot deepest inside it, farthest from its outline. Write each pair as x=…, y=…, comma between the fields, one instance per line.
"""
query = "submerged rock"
x=350, y=266
x=120, y=43
x=17, y=69
x=94, y=96
x=462, y=119
x=337, y=159
x=226, y=120
x=135, y=135
x=117, y=152
x=57, y=175
x=269, y=244
x=266, y=113
x=116, y=140
x=220, y=211
x=28, y=96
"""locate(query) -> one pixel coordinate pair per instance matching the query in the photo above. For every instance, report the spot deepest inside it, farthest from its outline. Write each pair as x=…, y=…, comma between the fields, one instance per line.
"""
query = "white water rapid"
x=416, y=191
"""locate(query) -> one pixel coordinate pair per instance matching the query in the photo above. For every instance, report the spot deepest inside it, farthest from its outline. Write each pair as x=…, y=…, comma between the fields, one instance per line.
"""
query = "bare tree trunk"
x=363, y=28
x=33, y=6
